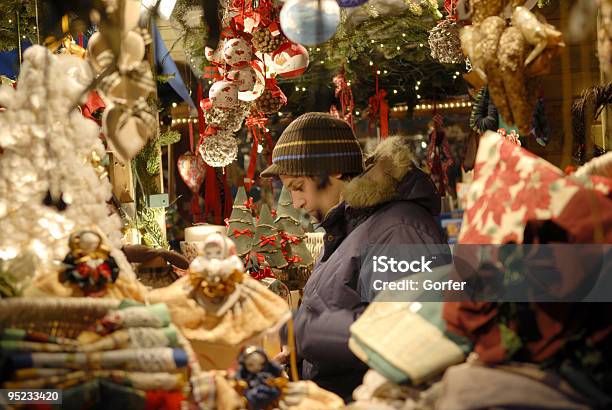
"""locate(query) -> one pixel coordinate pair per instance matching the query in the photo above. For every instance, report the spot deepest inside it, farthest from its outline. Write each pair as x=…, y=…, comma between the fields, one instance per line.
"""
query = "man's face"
x=305, y=195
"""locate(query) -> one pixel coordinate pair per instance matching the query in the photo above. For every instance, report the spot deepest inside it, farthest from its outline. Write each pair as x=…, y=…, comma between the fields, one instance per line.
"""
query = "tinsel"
x=219, y=150
x=229, y=119
x=445, y=44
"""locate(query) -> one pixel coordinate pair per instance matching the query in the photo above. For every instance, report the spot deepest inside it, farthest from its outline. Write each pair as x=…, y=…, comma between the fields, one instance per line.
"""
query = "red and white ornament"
x=245, y=78
x=223, y=94
x=291, y=60
x=258, y=87
x=192, y=170
x=237, y=52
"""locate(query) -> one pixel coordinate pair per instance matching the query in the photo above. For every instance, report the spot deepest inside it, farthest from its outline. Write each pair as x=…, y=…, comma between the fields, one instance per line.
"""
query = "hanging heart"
x=192, y=170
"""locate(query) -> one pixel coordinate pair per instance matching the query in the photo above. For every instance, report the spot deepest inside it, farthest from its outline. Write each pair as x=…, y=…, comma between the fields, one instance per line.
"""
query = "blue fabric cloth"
x=9, y=61
x=167, y=66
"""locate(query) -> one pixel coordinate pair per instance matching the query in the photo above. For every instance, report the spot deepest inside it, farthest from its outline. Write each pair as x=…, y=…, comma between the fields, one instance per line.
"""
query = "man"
x=319, y=159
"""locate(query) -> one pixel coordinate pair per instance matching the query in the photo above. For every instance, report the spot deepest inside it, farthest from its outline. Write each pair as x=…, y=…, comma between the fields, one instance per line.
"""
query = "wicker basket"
x=64, y=317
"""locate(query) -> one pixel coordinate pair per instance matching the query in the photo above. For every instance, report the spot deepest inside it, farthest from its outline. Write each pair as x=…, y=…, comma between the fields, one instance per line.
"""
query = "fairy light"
x=371, y=63
x=416, y=88
x=357, y=113
x=173, y=105
x=452, y=105
x=457, y=73
x=418, y=83
x=297, y=88
x=469, y=104
x=373, y=41
x=421, y=45
x=303, y=88
x=445, y=105
x=318, y=49
x=418, y=97
x=382, y=45
x=398, y=48
x=378, y=72
x=394, y=91
x=322, y=62
x=385, y=72
x=403, y=34
x=280, y=114
x=418, y=107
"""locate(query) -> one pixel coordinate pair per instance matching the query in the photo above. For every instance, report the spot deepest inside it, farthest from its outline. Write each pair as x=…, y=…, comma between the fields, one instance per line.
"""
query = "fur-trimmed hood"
x=391, y=175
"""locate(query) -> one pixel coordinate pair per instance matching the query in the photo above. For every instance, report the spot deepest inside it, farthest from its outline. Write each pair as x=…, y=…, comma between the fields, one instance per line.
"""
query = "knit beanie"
x=316, y=143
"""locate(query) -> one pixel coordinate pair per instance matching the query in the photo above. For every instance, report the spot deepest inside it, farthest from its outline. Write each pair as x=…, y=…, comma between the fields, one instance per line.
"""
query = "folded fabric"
x=33, y=373
x=155, y=316
x=154, y=359
x=138, y=380
x=468, y=387
x=31, y=336
x=406, y=341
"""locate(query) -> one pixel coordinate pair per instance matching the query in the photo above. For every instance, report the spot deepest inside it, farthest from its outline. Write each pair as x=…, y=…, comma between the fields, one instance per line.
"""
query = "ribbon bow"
x=294, y=259
x=289, y=238
x=238, y=233
x=267, y=240
x=249, y=204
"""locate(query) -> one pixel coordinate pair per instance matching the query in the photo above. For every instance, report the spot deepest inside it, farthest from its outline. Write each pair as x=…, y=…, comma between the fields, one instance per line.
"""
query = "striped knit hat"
x=316, y=143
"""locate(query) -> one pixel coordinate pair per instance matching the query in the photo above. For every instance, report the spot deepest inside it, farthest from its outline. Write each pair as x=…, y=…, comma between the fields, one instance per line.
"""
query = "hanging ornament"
x=265, y=41
x=258, y=87
x=223, y=94
x=310, y=22
x=227, y=119
x=245, y=78
x=291, y=60
x=191, y=170
x=237, y=52
x=219, y=150
x=351, y=3
x=272, y=98
x=445, y=44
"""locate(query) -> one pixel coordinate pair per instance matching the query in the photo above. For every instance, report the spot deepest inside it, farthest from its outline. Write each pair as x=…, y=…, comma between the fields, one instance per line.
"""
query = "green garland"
x=146, y=167
x=9, y=29
x=192, y=33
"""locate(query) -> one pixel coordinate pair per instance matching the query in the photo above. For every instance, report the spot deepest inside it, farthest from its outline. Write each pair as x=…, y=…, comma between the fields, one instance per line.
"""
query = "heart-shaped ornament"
x=192, y=170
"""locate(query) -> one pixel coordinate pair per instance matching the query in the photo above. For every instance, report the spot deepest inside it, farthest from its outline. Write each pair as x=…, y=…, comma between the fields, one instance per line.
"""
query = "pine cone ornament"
x=267, y=103
x=264, y=41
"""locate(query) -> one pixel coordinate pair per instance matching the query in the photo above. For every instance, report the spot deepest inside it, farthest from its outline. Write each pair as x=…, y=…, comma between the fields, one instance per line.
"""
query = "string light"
x=356, y=112
x=418, y=83
x=378, y=72
x=382, y=45
x=322, y=62
x=280, y=114
x=457, y=73
x=297, y=88
x=416, y=88
x=318, y=49
x=421, y=45
x=173, y=105
x=303, y=88
x=445, y=105
x=371, y=63
x=373, y=41
x=398, y=48
x=418, y=96
x=403, y=34
x=385, y=71
x=394, y=91
x=348, y=83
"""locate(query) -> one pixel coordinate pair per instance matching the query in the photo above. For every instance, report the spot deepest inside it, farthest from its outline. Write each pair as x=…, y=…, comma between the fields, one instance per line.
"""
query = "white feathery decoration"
x=45, y=137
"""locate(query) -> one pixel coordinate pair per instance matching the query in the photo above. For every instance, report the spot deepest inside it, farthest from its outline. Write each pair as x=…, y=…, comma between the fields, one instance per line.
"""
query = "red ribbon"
x=238, y=233
x=267, y=240
x=345, y=94
x=289, y=238
x=451, y=8
x=212, y=71
x=257, y=124
x=263, y=273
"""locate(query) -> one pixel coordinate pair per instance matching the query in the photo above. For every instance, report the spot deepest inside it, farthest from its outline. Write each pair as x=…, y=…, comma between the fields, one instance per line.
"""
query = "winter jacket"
x=392, y=202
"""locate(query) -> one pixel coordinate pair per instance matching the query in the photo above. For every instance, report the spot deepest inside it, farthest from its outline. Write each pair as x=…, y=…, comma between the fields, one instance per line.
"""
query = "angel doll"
x=218, y=307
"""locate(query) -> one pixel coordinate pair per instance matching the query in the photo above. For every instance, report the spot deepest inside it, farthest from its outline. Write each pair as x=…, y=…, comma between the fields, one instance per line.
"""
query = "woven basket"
x=65, y=317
